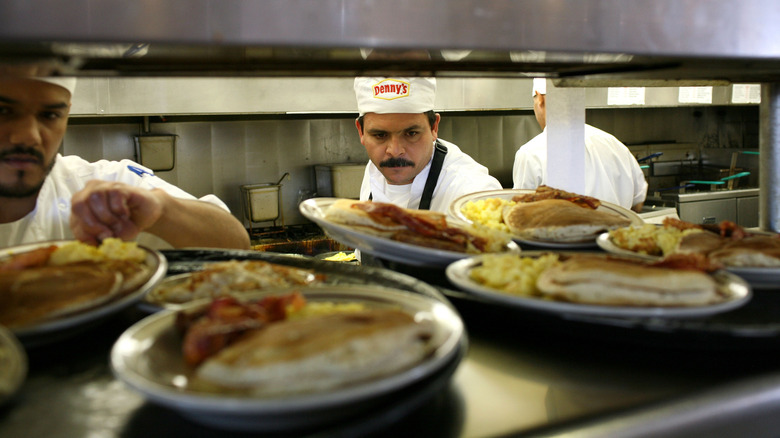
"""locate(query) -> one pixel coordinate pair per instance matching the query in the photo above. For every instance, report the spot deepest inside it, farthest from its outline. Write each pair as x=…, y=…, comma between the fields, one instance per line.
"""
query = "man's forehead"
x=395, y=120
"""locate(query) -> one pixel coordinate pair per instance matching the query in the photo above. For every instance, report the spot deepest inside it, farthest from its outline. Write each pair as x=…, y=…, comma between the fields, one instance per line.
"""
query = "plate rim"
x=179, y=399
x=457, y=273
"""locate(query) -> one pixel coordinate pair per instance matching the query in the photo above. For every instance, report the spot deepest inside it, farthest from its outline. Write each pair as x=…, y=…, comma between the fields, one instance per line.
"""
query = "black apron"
x=439, y=152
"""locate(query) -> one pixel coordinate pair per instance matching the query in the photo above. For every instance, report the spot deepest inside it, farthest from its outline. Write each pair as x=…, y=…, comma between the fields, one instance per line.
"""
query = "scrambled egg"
x=487, y=212
x=512, y=274
x=649, y=239
x=313, y=308
x=341, y=257
x=110, y=249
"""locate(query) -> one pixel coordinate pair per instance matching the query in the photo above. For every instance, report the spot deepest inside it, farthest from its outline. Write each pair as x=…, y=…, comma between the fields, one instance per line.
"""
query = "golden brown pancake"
x=559, y=220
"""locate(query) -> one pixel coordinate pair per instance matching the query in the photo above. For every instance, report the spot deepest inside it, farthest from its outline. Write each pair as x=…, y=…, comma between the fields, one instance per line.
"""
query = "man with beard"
x=47, y=196
x=409, y=166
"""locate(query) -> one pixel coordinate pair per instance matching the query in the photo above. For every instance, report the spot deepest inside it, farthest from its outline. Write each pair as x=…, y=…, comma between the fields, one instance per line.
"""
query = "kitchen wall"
x=218, y=154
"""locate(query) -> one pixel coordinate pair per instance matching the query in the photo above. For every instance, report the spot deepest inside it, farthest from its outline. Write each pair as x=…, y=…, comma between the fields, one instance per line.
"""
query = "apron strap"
x=439, y=152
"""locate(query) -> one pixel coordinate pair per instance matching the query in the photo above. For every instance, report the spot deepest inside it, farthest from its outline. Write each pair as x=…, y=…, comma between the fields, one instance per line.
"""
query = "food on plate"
x=487, y=212
x=232, y=277
x=276, y=347
x=418, y=227
x=512, y=273
x=559, y=220
x=616, y=281
x=756, y=251
x=544, y=192
x=53, y=281
x=651, y=239
x=724, y=243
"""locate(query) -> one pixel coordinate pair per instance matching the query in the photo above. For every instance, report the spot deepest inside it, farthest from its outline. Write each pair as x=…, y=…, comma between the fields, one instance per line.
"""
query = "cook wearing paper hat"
x=409, y=165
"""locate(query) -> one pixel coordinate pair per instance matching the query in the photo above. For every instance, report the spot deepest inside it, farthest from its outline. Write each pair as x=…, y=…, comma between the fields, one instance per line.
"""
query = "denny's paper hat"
x=68, y=83
x=383, y=95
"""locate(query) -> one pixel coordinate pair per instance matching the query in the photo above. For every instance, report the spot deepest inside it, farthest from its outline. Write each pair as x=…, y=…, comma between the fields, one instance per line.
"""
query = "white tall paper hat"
x=385, y=95
x=68, y=83
x=540, y=86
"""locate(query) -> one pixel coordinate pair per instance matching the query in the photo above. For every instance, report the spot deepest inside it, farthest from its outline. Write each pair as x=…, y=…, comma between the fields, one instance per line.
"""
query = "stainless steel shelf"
x=663, y=42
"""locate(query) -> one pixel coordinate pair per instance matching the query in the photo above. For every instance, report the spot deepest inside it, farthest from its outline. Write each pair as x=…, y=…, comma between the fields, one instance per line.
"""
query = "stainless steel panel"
x=717, y=28
x=769, y=164
x=708, y=212
x=747, y=211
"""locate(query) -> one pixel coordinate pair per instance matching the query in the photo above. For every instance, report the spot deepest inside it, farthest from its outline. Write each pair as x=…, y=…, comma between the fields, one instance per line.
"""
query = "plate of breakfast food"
x=286, y=359
x=416, y=237
x=601, y=284
x=750, y=254
x=55, y=288
x=229, y=277
x=545, y=217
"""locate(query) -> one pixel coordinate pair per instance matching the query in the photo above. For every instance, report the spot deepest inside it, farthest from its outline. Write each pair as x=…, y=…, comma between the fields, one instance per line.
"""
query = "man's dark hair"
x=430, y=114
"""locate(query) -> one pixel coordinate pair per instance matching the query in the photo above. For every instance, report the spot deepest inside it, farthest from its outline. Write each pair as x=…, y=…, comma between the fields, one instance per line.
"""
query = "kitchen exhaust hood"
x=575, y=42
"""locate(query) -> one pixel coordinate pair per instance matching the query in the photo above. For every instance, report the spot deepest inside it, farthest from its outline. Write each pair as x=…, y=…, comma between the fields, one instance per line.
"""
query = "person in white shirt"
x=47, y=196
x=612, y=173
x=409, y=165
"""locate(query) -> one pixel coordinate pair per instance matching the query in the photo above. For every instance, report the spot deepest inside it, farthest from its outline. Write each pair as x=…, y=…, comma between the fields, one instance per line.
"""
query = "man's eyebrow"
x=8, y=100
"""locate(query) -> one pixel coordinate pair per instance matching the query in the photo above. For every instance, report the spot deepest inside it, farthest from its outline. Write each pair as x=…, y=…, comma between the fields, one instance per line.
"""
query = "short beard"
x=20, y=190
x=396, y=162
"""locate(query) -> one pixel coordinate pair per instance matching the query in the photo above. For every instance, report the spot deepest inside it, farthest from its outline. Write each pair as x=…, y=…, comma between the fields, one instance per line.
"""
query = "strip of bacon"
x=546, y=192
x=226, y=319
x=30, y=259
x=427, y=224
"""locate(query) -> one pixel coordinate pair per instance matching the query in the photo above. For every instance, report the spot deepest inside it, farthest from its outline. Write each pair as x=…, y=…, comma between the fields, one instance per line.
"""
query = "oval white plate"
x=148, y=358
x=56, y=328
x=455, y=211
x=738, y=293
x=314, y=210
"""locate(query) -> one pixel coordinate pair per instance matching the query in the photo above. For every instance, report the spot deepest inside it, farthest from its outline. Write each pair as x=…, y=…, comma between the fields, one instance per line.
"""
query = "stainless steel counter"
x=525, y=372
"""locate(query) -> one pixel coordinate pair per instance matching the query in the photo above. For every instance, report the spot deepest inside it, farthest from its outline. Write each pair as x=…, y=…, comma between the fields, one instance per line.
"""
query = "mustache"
x=21, y=150
x=396, y=162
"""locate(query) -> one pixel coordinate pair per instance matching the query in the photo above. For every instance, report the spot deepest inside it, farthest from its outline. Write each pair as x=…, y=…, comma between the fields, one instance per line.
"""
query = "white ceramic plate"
x=737, y=291
x=13, y=365
x=148, y=358
x=455, y=211
x=57, y=328
x=314, y=210
x=757, y=277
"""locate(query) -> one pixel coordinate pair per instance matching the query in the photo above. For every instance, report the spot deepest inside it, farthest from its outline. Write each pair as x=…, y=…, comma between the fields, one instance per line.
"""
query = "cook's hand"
x=105, y=209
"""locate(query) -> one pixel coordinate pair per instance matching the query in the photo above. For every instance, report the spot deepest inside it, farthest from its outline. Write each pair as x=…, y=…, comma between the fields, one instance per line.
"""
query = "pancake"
x=559, y=220
x=321, y=352
x=609, y=281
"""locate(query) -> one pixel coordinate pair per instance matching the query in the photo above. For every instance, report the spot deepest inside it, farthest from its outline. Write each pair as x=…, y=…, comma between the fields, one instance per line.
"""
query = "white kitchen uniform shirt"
x=50, y=220
x=460, y=175
x=612, y=173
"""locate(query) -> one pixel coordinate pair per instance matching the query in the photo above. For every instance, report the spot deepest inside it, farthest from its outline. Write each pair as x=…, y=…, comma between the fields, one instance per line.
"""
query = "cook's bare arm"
x=111, y=209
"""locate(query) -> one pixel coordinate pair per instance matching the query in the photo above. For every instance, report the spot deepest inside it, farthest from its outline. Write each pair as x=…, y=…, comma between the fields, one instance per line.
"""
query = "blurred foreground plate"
x=13, y=365
x=55, y=328
x=148, y=358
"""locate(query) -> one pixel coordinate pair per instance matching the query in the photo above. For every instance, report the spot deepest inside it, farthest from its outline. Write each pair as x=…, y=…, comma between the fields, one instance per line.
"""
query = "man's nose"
x=395, y=147
x=24, y=131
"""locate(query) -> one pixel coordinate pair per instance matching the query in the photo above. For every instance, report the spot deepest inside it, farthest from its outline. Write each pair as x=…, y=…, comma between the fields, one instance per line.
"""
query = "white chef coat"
x=460, y=175
x=612, y=173
x=50, y=220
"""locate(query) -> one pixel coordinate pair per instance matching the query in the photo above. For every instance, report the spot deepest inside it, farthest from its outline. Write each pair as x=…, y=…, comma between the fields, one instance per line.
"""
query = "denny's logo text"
x=389, y=89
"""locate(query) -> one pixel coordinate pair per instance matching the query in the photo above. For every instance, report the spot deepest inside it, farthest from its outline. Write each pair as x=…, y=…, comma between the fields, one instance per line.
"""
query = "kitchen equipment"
x=263, y=203
x=339, y=180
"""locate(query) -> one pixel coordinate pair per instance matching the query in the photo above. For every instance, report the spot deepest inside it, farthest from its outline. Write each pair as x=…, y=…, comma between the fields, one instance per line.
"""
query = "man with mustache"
x=47, y=196
x=409, y=166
